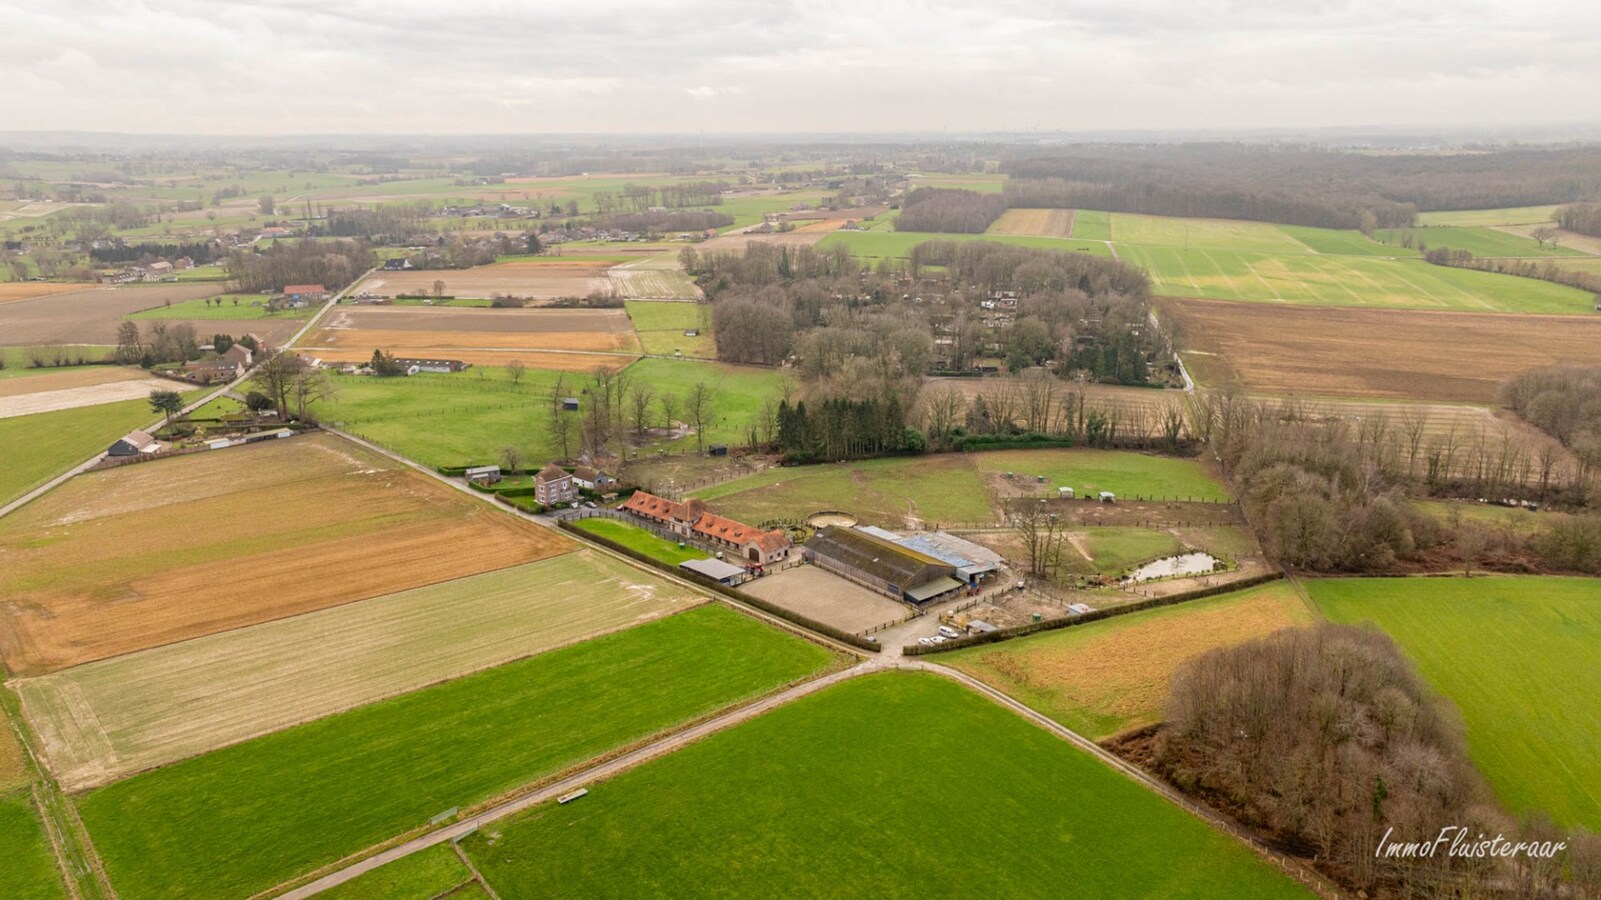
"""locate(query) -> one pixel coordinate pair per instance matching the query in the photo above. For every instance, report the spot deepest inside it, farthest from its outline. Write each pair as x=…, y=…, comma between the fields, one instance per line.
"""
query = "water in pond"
x=1169, y=566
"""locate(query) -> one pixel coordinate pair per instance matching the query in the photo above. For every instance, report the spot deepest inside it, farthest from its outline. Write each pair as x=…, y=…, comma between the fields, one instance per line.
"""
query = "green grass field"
x=239, y=820
x=876, y=245
x=420, y=876
x=661, y=328
x=1342, y=243
x=1092, y=224
x=1322, y=280
x=1109, y=676
x=943, y=488
x=635, y=538
x=41, y=446
x=249, y=307
x=1518, y=657
x=29, y=871
x=738, y=393
x=1475, y=240
x=855, y=789
x=1518, y=215
x=1116, y=550
x=1124, y=473
x=1202, y=234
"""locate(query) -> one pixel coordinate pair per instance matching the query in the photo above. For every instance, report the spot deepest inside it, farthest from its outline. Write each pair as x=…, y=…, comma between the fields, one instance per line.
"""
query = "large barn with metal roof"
x=881, y=564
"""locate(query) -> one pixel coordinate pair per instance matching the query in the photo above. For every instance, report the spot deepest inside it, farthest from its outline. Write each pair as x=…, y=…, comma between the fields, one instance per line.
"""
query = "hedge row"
x=795, y=618
x=1034, y=439
x=1006, y=634
x=522, y=503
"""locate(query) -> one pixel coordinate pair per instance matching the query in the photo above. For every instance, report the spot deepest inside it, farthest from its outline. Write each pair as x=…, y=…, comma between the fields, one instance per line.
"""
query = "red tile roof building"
x=690, y=519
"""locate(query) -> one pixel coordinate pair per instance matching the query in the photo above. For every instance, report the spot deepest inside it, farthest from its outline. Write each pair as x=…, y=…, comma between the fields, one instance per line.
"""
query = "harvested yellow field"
x=145, y=555
x=27, y=290
x=1110, y=676
x=542, y=280
x=63, y=379
x=479, y=336
x=1057, y=223
x=109, y=719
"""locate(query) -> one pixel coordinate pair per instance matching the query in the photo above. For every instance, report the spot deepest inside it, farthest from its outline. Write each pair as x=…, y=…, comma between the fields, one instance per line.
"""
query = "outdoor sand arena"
x=71, y=388
x=145, y=555
x=827, y=598
x=108, y=719
x=478, y=336
x=542, y=280
x=1379, y=353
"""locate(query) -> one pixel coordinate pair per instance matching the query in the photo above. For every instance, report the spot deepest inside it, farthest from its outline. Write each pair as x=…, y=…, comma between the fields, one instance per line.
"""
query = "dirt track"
x=85, y=395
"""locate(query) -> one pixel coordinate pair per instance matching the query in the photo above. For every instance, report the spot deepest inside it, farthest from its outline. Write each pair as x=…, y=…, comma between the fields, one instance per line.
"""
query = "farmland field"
x=479, y=336
x=1350, y=281
x=1517, y=657
x=1477, y=241
x=1091, y=224
x=1394, y=354
x=27, y=290
x=140, y=556
x=29, y=871
x=239, y=820
x=661, y=328
x=640, y=540
x=541, y=278
x=108, y=719
x=653, y=278
x=1521, y=215
x=234, y=307
x=1057, y=223
x=889, y=492
x=876, y=245
x=38, y=447
x=78, y=387
x=1202, y=234
x=818, y=794
x=1124, y=473
x=420, y=876
x=91, y=315
x=1110, y=676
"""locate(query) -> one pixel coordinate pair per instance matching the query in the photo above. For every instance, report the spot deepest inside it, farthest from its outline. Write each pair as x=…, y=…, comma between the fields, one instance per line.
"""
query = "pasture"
x=819, y=793
x=1056, y=223
x=1478, y=241
x=1517, y=657
x=478, y=336
x=430, y=873
x=1111, y=676
x=1092, y=225
x=1122, y=472
x=894, y=492
x=738, y=393
x=109, y=719
x=40, y=446
x=240, y=820
x=1346, y=281
x=661, y=328
x=144, y=555
x=1383, y=354
x=29, y=871
x=1520, y=215
x=233, y=308
x=640, y=540
x=539, y=278
x=1202, y=234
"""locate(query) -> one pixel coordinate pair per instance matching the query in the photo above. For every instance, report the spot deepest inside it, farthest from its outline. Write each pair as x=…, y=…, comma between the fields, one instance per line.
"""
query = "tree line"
x=664, y=221
x=117, y=251
x=1584, y=218
x=1545, y=270
x=641, y=197
x=949, y=211
x=333, y=264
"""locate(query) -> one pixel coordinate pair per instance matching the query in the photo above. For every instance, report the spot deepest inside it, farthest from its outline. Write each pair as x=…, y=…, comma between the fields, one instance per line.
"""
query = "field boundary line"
x=602, y=771
x=477, y=875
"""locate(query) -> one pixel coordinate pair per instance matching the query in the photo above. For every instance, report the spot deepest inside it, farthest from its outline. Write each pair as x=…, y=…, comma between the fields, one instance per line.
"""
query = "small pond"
x=1184, y=564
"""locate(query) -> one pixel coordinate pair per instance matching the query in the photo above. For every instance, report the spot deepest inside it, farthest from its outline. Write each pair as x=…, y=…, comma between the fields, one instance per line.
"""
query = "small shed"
x=570, y=404
x=1065, y=493
x=980, y=627
x=718, y=450
x=133, y=444
x=715, y=569
x=483, y=474
x=1108, y=497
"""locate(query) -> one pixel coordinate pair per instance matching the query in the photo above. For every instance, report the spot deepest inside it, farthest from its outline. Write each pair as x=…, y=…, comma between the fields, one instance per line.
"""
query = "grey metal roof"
x=715, y=569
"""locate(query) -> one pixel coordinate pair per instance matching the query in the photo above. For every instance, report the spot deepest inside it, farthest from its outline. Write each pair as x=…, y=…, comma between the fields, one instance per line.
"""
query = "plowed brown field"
x=480, y=336
x=533, y=280
x=1057, y=223
x=1374, y=353
x=152, y=554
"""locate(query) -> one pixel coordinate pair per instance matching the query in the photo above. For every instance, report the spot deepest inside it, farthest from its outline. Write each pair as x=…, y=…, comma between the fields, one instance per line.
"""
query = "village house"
x=592, y=479
x=305, y=292
x=240, y=354
x=690, y=519
x=212, y=371
x=553, y=485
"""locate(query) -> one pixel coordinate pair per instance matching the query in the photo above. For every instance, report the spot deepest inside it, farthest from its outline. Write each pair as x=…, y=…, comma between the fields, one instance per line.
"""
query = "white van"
x=949, y=632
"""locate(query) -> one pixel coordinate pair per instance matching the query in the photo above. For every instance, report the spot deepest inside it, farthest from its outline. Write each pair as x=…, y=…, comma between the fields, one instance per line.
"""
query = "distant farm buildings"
x=690, y=519
x=213, y=371
x=882, y=564
x=305, y=292
x=413, y=365
x=133, y=444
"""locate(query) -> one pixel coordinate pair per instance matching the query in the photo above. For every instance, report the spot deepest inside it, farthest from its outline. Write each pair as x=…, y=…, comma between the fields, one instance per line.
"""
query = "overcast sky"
x=490, y=66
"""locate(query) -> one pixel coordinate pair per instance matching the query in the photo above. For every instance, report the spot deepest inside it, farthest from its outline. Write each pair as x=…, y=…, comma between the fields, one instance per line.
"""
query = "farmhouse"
x=413, y=365
x=212, y=371
x=553, y=485
x=882, y=565
x=238, y=353
x=690, y=518
x=133, y=444
x=592, y=479
x=307, y=292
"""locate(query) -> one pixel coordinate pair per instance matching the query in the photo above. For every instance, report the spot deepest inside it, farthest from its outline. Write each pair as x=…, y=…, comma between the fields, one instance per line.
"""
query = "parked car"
x=925, y=641
x=938, y=639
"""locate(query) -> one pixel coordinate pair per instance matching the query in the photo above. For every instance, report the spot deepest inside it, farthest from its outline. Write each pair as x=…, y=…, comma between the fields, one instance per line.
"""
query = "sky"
x=764, y=66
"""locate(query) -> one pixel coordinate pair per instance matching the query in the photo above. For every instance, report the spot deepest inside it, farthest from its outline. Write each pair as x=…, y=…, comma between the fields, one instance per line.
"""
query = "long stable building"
x=881, y=564
x=754, y=547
